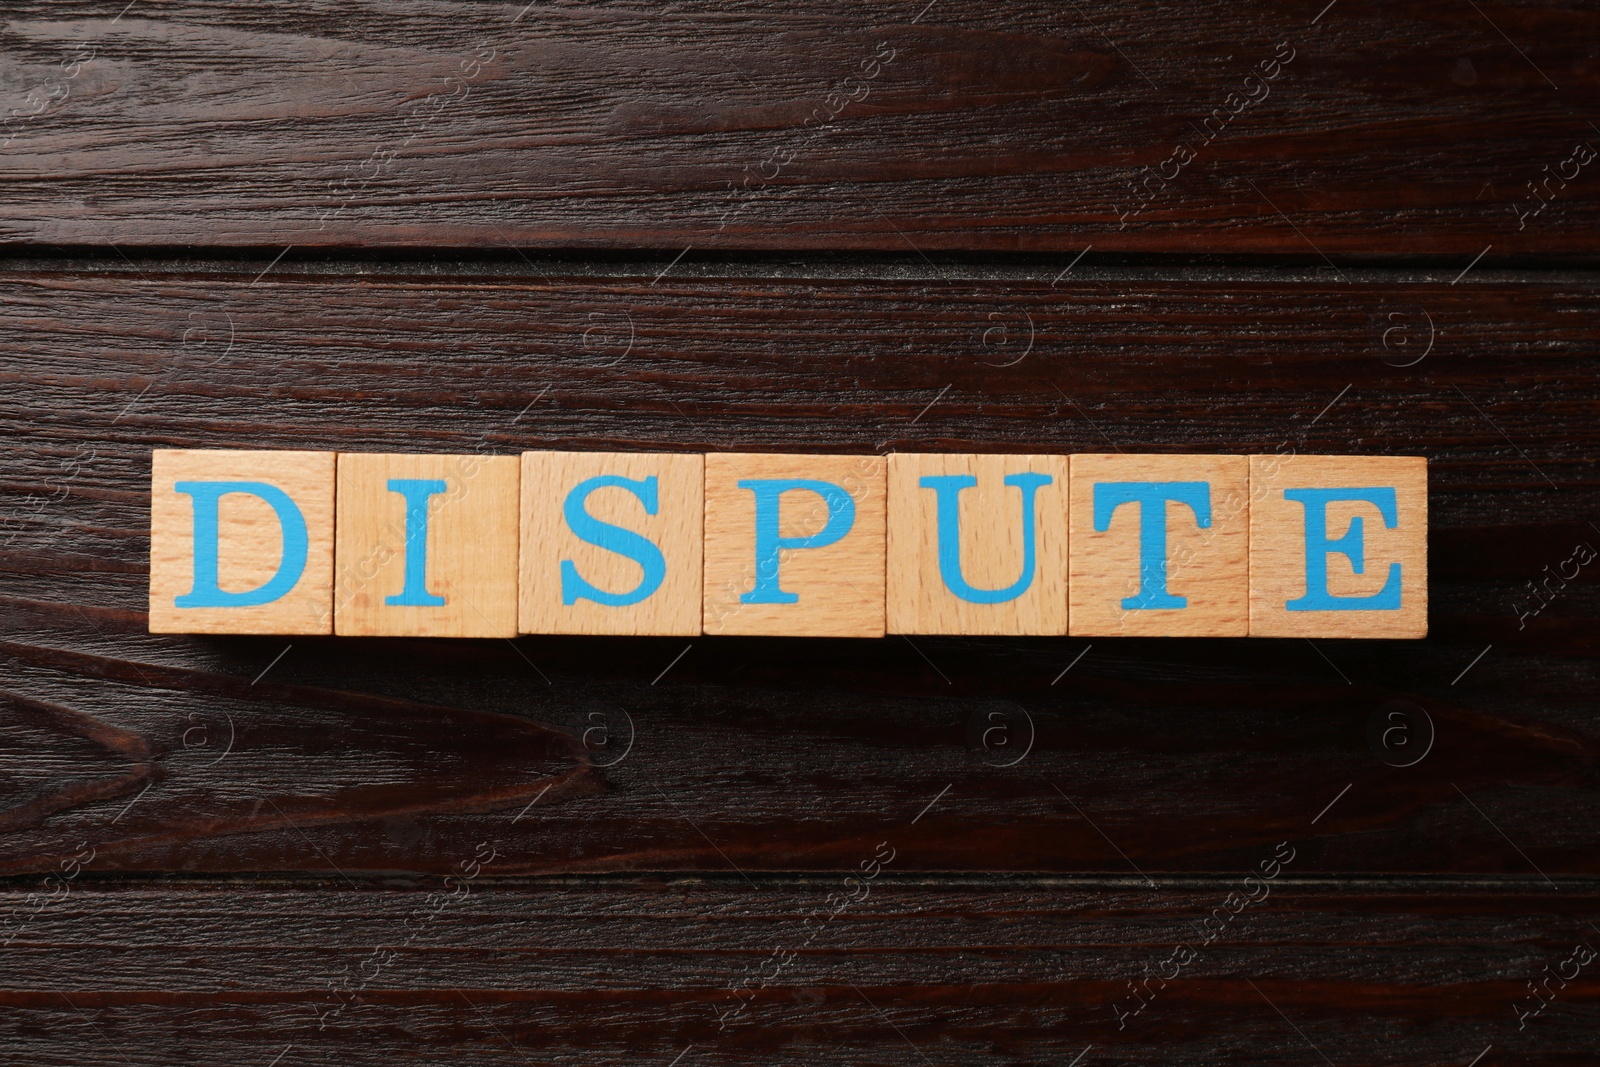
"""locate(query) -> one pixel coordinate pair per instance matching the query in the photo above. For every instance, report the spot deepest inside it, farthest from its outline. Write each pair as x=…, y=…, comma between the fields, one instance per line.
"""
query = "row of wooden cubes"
x=787, y=545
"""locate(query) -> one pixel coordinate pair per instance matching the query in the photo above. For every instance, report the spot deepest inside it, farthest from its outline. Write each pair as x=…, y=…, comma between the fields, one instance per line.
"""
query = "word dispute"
x=377, y=544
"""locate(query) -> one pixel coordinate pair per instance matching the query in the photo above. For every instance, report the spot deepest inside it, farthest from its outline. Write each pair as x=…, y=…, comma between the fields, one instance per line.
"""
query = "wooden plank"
x=783, y=972
x=1394, y=127
x=242, y=754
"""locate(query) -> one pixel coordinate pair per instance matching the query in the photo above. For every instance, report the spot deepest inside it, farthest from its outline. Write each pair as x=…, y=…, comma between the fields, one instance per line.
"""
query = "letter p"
x=769, y=545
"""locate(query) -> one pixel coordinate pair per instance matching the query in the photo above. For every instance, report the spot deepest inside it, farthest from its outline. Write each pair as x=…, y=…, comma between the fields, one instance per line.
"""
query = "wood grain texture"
x=781, y=972
x=252, y=850
x=1371, y=550
x=1207, y=565
x=663, y=500
x=350, y=755
x=1373, y=127
x=461, y=581
x=253, y=540
x=992, y=552
x=822, y=573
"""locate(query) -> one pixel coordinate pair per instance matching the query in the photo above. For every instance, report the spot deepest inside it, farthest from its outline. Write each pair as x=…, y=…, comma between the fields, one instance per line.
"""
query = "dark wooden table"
x=469, y=226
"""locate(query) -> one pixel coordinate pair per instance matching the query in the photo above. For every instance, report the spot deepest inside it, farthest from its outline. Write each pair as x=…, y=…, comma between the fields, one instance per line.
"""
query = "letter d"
x=206, y=593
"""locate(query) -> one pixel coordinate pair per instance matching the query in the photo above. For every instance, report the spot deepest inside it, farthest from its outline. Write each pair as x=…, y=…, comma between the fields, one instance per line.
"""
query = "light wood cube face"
x=1160, y=546
x=241, y=542
x=794, y=545
x=1339, y=546
x=977, y=544
x=788, y=545
x=427, y=546
x=611, y=543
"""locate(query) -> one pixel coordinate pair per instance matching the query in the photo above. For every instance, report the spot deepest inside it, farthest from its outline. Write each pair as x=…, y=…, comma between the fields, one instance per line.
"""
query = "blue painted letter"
x=947, y=489
x=291, y=563
x=1152, y=499
x=1351, y=545
x=591, y=530
x=768, y=491
x=415, y=592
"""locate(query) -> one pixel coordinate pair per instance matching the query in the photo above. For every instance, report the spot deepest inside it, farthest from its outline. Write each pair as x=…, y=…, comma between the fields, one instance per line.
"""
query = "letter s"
x=613, y=539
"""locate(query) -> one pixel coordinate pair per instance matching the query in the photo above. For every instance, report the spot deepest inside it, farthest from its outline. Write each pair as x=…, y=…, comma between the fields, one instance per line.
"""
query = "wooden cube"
x=977, y=544
x=1338, y=546
x=427, y=546
x=611, y=543
x=1160, y=546
x=794, y=545
x=241, y=542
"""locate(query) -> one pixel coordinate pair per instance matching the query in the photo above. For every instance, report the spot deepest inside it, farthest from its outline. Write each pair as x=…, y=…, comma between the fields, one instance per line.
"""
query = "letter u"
x=948, y=489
